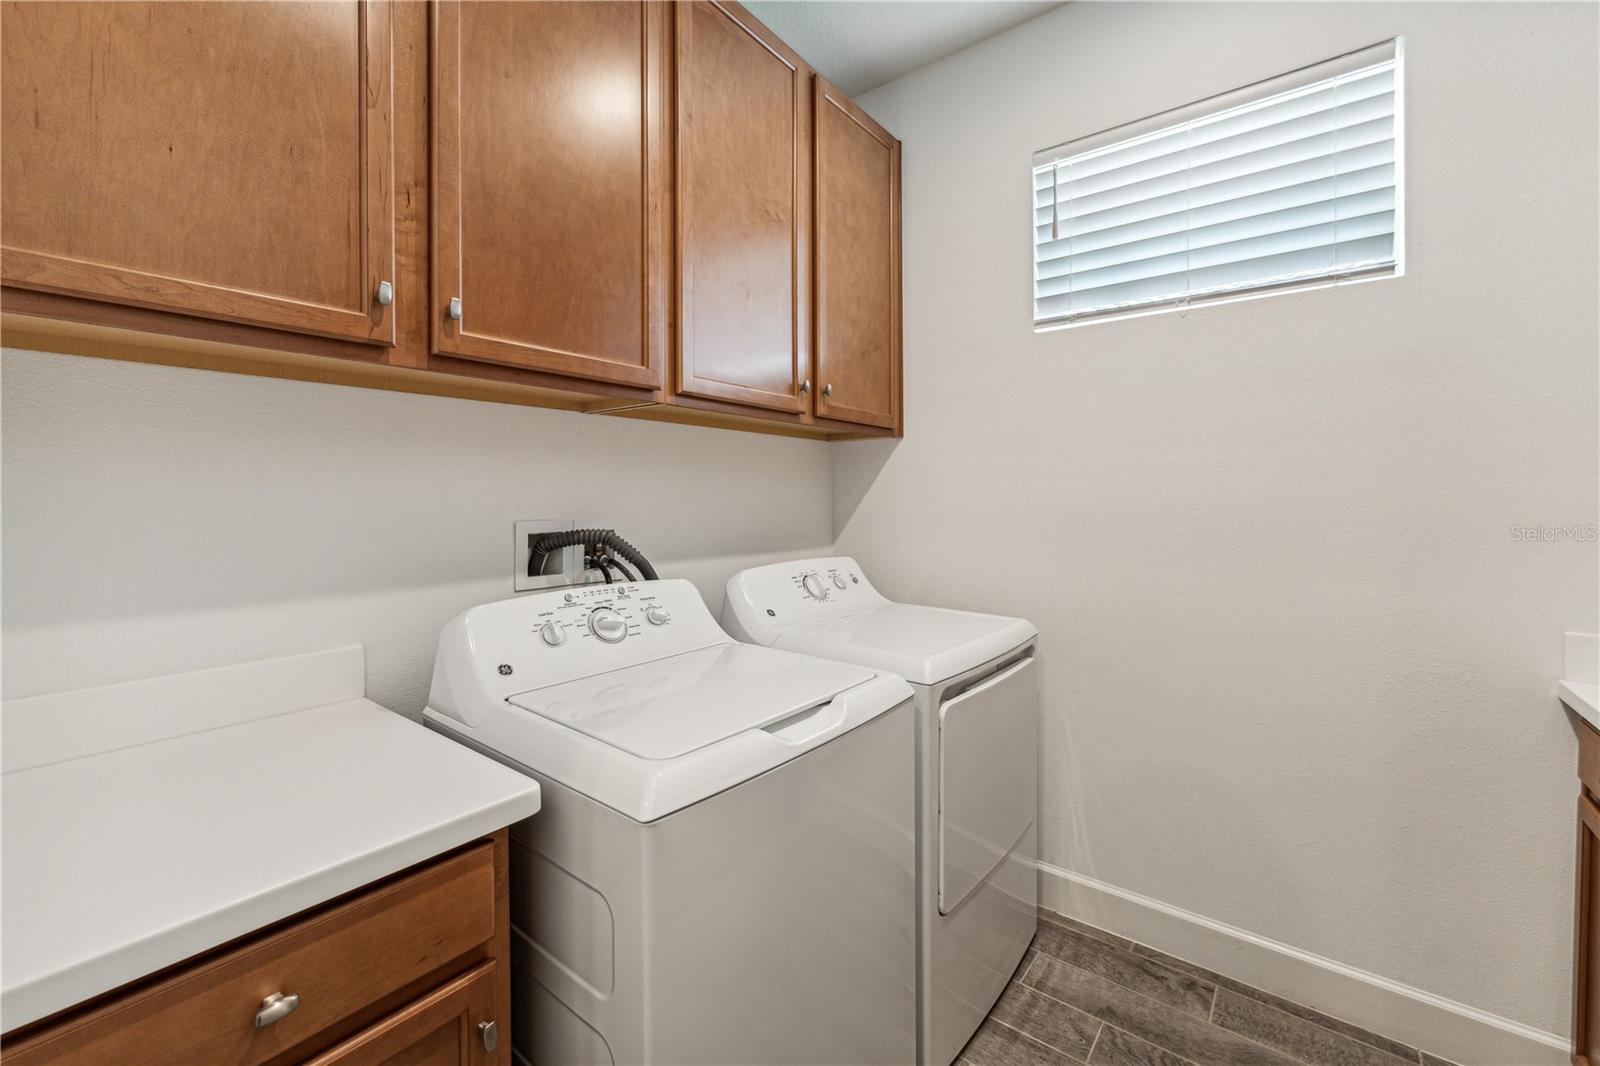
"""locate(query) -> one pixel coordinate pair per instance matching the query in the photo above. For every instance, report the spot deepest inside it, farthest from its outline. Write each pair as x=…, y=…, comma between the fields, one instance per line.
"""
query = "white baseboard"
x=1439, y=1026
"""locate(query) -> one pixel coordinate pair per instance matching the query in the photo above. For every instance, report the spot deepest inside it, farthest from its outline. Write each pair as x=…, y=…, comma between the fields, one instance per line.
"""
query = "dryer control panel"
x=770, y=598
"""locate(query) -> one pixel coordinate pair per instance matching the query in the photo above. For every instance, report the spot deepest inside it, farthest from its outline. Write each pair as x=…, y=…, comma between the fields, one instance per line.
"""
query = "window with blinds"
x=1291, y=183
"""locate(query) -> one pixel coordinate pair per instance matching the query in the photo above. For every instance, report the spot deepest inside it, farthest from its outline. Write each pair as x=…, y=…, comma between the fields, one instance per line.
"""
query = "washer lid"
x=673, y=706
x=924, y=645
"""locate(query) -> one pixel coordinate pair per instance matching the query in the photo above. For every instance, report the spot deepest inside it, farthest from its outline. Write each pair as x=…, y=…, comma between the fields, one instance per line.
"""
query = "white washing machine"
x=977, y=772
x=723, y=869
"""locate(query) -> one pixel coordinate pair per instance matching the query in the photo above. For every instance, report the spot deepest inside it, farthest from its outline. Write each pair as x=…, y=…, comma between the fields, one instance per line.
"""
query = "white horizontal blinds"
x=1289, y=185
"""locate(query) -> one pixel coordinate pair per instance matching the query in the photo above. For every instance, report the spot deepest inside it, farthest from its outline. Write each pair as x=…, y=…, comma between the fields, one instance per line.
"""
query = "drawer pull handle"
x=490, y=1033
x=276, y=1007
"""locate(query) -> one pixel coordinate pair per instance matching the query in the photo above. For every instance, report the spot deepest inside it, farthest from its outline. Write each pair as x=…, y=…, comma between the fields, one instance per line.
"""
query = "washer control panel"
x=547, y=638
x=608, y=614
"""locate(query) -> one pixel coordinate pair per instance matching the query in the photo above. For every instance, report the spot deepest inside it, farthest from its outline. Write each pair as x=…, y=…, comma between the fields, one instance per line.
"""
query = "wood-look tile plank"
x=1327, y=1021
x=1137, y=972
x=995, y=1044
x=1116, y=1048
x=1049, y=1021
x=1182, y=1034
x=1293, y=1035
x=1083, y=927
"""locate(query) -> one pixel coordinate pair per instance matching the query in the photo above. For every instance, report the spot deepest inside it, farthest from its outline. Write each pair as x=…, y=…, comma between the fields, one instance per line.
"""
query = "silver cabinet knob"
x=827, y=390
x=385, y=293
x=276, y=1007
x=455, y=308
x=608, y=625
x=805, y=386
x=552, y=634
x=489, y=1033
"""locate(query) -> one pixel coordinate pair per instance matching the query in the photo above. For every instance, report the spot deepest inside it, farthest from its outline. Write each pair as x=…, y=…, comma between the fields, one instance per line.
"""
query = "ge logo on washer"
x=505, y=669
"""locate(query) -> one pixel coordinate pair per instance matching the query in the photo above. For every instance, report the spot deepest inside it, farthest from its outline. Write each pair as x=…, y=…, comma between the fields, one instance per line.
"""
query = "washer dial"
x=607, y=625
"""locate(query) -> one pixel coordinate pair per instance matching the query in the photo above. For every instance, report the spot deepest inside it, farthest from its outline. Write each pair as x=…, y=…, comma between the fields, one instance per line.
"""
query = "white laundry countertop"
x=117, y=863
x=1583, y=698
x=1580, y=689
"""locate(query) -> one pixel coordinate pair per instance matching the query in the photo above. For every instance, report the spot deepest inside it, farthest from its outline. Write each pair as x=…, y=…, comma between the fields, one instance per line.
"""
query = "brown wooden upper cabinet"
x=744, y=211
x=857, y=263
x=223, y=160
x=645, y=208
x=551, y=187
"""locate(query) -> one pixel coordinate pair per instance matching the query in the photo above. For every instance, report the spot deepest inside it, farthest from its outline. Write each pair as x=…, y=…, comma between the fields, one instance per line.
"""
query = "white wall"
x=1297, y=672
x=160, y=519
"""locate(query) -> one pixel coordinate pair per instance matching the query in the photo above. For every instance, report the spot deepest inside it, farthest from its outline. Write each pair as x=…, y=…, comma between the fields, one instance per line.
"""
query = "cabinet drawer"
x=1589, y=758
x=337, y=961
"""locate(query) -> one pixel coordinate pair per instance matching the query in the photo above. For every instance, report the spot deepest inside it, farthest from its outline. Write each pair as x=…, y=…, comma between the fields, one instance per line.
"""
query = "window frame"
x=1212, y=107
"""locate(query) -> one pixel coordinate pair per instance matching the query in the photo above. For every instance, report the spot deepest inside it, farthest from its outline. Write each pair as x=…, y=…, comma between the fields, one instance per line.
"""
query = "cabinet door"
x=440, y=1029
x=1586, y=939
x=858, y=263
x=225, y=160
x=551, y=186
x=744, y=211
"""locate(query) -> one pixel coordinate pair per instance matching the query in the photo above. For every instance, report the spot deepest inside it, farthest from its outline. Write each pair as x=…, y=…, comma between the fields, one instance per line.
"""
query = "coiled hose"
x=591, y=539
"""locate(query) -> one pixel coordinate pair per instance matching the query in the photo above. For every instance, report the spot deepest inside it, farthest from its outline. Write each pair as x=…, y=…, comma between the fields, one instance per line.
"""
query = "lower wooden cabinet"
x=452, y=1026
x=1586, y=939
x=412, y=970
x=1586, y=914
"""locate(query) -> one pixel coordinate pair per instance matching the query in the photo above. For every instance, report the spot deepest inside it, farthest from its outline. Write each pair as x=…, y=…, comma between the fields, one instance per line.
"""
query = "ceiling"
x=861, y=44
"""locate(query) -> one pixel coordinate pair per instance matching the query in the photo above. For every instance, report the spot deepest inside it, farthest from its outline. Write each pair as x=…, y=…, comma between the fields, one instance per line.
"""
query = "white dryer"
x=977, y=772
x=723, y=869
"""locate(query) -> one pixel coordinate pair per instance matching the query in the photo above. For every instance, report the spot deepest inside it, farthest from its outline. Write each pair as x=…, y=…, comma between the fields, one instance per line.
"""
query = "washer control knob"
x=656, y=616
x=838, y=581
x=607, y=625
x=813, y=586
x=552, y=634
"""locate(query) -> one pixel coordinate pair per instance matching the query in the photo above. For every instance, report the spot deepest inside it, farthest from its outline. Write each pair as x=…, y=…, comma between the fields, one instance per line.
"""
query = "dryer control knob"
x=656, y=616
x=838, y=581
x=813, y=586
x=608, y=625
x=552, y=634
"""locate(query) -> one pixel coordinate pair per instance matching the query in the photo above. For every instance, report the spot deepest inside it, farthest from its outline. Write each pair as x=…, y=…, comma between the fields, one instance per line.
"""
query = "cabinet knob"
x=455, y=308
x=805, y=386
x=827, y=390
x=385, y=293
x=490, y=1034
x=276, y=1007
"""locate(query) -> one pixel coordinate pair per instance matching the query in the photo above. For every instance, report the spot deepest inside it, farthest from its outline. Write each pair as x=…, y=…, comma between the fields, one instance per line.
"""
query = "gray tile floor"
x=1083, y=996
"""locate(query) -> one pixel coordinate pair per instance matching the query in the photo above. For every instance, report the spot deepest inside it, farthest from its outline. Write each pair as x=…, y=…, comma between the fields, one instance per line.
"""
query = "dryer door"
x=988, y=777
